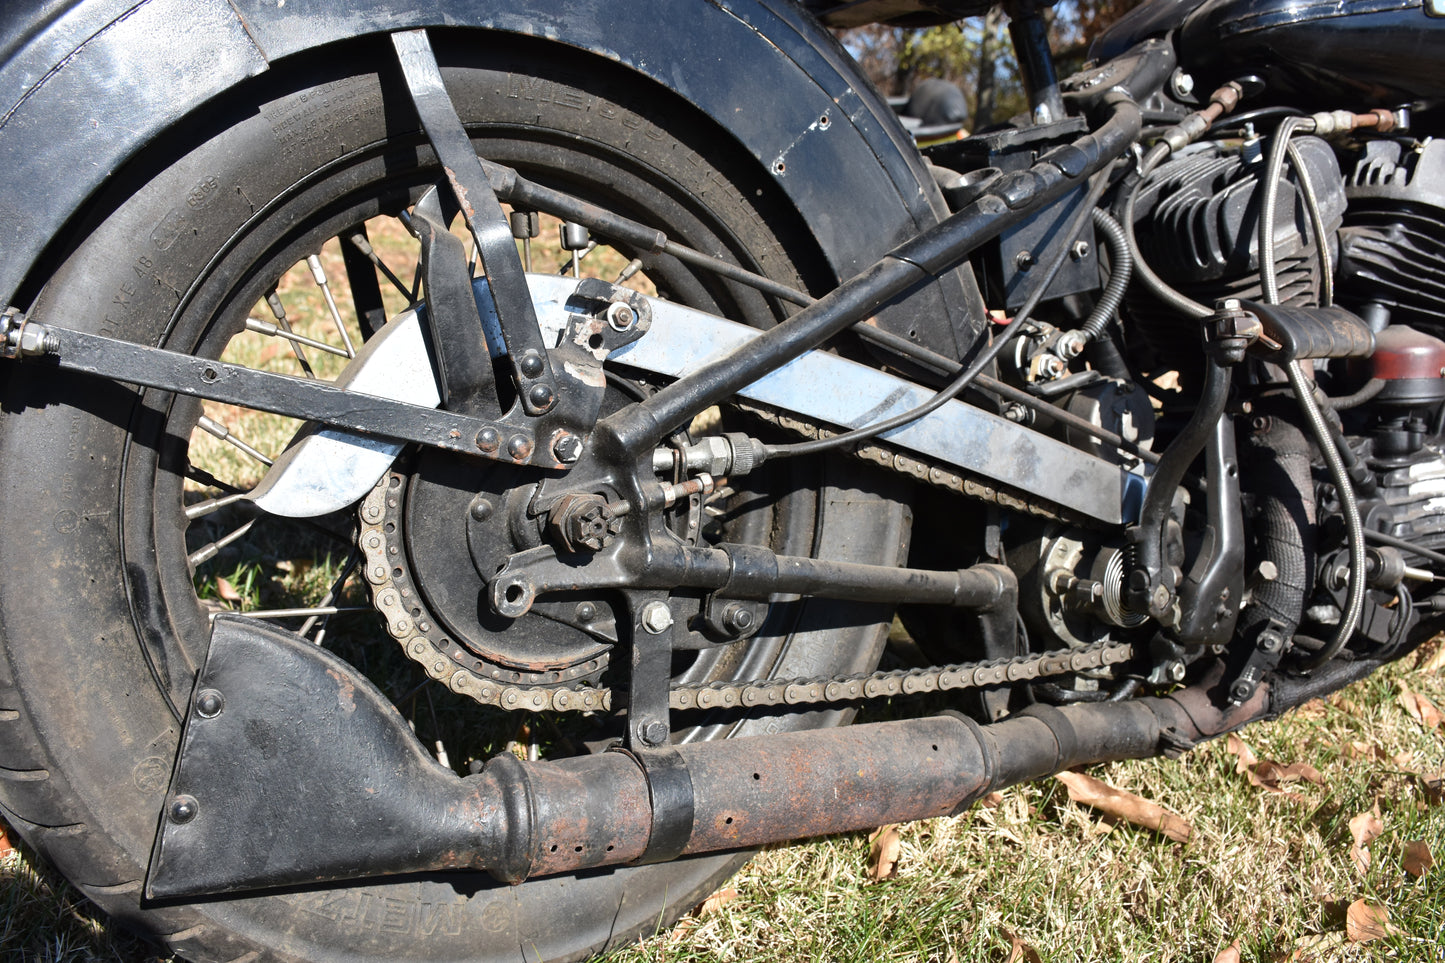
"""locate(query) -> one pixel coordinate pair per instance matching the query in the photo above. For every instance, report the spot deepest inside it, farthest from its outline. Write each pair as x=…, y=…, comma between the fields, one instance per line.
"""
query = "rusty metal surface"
x=756, y=791
x=288, y=757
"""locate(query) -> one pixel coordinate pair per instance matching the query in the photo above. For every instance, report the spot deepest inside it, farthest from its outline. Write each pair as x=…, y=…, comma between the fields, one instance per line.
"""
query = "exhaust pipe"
x=293, y=770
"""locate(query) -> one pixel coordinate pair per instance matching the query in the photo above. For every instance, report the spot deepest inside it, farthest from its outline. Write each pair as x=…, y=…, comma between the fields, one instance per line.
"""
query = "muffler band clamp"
x=670, y=792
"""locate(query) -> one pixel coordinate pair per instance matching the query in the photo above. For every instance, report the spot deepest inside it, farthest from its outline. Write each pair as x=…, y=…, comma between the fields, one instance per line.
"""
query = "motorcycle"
x=1157, y=366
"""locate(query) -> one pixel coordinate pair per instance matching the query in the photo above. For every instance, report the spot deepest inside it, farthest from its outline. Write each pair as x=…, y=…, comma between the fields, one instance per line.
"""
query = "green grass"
x=1263, y=869
x=1269, y=871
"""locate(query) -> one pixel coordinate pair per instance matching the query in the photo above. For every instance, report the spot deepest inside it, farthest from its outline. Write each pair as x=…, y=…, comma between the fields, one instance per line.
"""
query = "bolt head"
x=586, y=612
x=567, y=447
x=1240, y=691
x=1080, y=250
x=653, y=733
x=737, y=618
x=530, y=365
x=489, y=439
x=1176, y=671
x=183, y=809
x=541, y=396
x=1024, y=260
x=656, y=617
x=481, y=509
x=209, y=703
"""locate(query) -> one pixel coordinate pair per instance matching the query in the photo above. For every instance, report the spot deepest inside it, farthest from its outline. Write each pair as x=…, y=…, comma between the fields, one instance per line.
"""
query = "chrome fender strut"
x=327, y=469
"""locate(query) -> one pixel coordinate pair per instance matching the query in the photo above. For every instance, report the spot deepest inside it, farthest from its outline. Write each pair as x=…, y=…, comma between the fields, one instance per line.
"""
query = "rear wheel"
x=103, y=611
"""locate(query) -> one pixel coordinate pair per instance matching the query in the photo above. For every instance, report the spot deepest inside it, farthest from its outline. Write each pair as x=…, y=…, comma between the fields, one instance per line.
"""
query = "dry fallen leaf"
x=1367, y=921
x=1230, y=954
x=1089, y=791
x=1018, y=950
x=1421, y=709
x=680, y=931
x=1363, y=750
x=992, y=801
x=1235, y=746
x=1433, y=788
x=716, y=901
x=1418, y=858
x=1270, y=774
x=227, y=591
x=1315, y=949
x=1365, y=828
x=6, y=846
x=1431, y=659
x=883, y=852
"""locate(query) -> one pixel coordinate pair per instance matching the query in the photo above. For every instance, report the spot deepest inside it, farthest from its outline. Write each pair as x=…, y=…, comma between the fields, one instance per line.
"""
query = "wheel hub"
x=429, y=536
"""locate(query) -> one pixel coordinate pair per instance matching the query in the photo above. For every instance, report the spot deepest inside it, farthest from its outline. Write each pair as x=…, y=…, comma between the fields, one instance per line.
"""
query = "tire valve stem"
x=525, y=226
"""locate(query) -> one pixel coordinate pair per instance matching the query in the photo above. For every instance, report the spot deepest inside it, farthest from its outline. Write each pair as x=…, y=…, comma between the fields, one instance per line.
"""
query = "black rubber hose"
x=1276, y=470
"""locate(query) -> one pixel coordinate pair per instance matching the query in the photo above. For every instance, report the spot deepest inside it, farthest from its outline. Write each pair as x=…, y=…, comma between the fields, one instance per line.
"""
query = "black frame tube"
x=1016, y=197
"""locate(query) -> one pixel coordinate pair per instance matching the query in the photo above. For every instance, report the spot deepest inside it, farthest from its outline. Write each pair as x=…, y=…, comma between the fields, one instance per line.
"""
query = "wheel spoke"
x=313, y=611
x=201, y=509
x=275, y=331
x=627, y=273
x=211, y=549
x=333, y=593
x=365, y=289
x=213, y=427
x=362, y=244
x=278, y=310
x=318, y=273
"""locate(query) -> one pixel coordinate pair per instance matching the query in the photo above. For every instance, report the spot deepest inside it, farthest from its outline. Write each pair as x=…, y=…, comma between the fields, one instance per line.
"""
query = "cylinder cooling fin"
x=1392, y=245
x=1197, y=215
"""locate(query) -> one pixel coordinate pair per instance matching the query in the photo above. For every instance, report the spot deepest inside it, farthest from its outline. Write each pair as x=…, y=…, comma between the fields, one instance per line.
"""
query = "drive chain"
x=947, y=477
x=442, y=659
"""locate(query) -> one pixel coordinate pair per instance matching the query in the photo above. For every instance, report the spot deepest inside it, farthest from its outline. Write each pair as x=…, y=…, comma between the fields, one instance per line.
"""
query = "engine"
x=1382, y=255
x=1361, y=225
x=1198, y=216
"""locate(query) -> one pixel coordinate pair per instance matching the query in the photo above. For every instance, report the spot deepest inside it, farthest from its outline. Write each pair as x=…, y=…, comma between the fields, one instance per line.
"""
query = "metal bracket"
x=532, y=371
x=648, y=722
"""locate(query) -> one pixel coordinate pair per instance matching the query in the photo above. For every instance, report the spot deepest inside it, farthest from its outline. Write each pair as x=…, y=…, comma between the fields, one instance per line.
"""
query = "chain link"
x=942, y=477
x=566, y=693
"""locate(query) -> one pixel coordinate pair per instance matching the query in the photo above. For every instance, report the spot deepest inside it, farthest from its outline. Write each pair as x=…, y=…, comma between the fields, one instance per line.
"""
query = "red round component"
x=1402, y=353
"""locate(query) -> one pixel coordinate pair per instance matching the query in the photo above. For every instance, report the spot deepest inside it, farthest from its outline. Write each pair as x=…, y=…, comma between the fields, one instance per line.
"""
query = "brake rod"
x=301, y=398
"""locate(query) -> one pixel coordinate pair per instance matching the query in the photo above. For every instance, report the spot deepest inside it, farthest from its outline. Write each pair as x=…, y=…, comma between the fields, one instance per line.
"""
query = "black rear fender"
x=86, y=86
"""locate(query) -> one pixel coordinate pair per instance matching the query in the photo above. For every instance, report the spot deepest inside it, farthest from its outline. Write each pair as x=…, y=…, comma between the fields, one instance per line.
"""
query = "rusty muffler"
x=294, y=770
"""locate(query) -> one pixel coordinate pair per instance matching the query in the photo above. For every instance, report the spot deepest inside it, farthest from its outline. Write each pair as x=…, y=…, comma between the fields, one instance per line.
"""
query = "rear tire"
x=99, y=620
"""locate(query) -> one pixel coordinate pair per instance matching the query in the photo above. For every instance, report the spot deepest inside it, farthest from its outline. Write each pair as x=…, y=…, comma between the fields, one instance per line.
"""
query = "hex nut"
x=656, y=617
x=621, y=317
